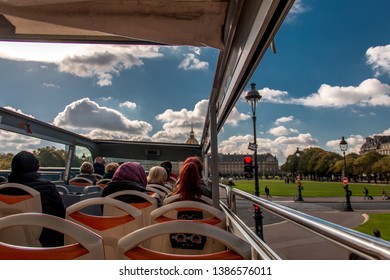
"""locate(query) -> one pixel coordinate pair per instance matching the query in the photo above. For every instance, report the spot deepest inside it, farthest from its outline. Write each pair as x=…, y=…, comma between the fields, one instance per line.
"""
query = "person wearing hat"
x=24, y=170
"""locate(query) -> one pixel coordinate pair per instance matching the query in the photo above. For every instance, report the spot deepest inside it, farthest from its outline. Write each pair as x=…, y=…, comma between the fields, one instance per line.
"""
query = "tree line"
x=47, y=156
x=318, y=164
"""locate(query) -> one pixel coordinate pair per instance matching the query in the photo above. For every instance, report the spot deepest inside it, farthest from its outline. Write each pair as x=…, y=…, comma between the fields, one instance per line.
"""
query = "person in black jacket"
x=24, y=170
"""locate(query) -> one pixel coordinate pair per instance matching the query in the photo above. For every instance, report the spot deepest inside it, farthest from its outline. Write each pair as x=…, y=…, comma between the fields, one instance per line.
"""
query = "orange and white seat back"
x=14, y=204
x=176, y=197
x=146, y=205
x=88, y=245
x=154, y=191
x=164, y=189
x=234, y=248
x=184, y=243
x=103, y=182
x=80, y=182
x=110, y=228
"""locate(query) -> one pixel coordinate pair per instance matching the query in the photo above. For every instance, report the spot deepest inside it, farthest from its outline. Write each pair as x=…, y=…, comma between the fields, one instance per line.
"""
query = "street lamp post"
x=300, y=198
x=253, y=96
x=343, y=148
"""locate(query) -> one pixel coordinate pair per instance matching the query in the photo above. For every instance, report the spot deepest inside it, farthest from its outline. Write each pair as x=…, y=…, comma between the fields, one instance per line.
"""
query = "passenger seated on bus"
x=188, y=184
x=86, y=171
x=172, y=178
x=206, y=191
x=110, y=170
x=128, y=176
x=158, y=176
x=98, y=166
x=24, y=170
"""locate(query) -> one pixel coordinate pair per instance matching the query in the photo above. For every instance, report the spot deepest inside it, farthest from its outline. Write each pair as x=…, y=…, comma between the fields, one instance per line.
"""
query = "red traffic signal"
x=248, y=166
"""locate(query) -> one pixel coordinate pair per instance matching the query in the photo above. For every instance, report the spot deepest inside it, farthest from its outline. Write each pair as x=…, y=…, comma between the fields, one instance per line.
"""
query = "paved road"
x=293, y=242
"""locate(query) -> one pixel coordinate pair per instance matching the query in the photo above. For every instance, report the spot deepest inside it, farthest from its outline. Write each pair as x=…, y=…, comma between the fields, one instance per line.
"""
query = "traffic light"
x=248, y=167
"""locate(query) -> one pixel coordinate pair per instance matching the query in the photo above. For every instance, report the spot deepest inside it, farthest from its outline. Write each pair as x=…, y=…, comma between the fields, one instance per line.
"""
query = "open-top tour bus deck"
x=241, y=31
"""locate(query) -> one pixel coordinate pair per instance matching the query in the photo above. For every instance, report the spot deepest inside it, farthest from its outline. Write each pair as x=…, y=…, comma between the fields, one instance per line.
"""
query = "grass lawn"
x=310, y=188
x=378, y=221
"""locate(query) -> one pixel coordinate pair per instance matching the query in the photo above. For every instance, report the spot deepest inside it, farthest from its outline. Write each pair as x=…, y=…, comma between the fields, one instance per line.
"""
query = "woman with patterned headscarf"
x=128, y=176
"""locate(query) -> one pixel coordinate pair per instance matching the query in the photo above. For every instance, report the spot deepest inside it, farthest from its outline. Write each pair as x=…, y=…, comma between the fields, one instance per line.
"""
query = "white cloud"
x=354, y=144
x=284, y=120
x=297, y=9
x=236, y=144
x=282, y=130
x=386, y=132
x=273, y=96
x=281, y=147
x=370, y=92
x=379, y=59
x=117, y=135
x=191, y=62
x=128, y=105
x=14, y=142
x=177, y=124
x=106, y=99
x=235, y=117
x=100, y=62
x=18, y=111
x=51, y=85
x=88, y=115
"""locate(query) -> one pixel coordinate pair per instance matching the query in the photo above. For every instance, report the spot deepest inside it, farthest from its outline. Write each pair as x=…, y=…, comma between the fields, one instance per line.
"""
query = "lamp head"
x=343, y=144
x=253, y=96
x=298, y=152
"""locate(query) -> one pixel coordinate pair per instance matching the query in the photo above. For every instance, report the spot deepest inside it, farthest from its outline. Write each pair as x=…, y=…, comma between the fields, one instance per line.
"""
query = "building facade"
x=378, y=143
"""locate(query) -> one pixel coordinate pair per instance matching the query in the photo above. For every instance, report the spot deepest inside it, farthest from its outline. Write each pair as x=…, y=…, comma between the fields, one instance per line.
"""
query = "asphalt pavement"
x=292, y=242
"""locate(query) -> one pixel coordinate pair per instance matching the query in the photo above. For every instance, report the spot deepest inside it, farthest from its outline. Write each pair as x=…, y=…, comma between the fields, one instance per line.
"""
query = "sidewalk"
x=295, y=243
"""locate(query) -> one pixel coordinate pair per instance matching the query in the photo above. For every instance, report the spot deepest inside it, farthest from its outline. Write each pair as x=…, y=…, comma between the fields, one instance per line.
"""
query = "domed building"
x=192, y=139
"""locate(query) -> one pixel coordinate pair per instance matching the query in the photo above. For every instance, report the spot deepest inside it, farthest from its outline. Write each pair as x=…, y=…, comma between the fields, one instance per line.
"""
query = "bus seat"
x=130, y=246
x=165, y=190
x=74, y=194
x=153, y=190
x=110, y=228
x=98, y=176
x=88, y=246
x=169, y=186
x=103, y=182
x=146, y=206
x=197, y=212
x=62, y=190
x=176, y=197
x=14, y=204
x=80, y=182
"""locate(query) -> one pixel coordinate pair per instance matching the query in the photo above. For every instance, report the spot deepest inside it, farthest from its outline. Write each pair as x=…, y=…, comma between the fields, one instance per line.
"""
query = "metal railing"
x=367, y=247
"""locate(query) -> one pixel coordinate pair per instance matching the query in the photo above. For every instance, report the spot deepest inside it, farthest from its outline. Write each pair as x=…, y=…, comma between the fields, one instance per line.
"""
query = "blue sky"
x=329, y=78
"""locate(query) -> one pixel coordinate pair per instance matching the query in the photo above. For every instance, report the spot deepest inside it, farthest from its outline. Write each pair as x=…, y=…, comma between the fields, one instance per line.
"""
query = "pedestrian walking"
x=267, y=193
x=369, y=197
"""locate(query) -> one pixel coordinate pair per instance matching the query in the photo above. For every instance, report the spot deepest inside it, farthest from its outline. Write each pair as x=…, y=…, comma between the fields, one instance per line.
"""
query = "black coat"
x=51, y=201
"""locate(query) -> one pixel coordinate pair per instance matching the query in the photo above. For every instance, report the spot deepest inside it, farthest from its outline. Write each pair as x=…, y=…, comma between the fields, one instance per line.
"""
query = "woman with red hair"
x=188, y=185
x=206, y=191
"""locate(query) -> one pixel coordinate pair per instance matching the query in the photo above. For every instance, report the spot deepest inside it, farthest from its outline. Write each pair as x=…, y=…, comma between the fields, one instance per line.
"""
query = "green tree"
x=364, y=163
x=325, y=164
x=5, y=161
x=50, y=157
x=382, y=167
